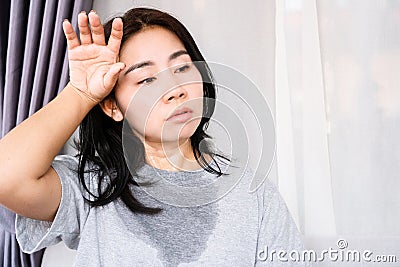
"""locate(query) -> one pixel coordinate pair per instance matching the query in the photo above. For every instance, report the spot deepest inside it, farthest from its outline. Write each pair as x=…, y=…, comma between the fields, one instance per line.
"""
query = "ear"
x=110, y=108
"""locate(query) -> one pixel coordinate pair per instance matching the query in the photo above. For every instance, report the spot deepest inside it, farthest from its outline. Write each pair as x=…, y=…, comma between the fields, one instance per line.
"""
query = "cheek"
x=145, y=117
x=134, y=107
x=141, y=118
x=124, y=96
x=198, y=91
x=195, y=98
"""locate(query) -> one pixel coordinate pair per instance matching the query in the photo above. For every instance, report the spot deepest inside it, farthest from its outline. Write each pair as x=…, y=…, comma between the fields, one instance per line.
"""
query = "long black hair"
x=100, y=137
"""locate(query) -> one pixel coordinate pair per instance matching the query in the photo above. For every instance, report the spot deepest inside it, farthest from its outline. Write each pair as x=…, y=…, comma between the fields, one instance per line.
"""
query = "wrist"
x=78, y=99
x=85, y=96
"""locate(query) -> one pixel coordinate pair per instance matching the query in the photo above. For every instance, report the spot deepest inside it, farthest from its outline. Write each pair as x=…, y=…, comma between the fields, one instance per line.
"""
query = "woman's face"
x=160, y=91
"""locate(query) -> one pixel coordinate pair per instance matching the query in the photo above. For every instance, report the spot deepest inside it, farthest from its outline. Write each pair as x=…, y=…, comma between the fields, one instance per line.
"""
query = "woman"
x=93, y=202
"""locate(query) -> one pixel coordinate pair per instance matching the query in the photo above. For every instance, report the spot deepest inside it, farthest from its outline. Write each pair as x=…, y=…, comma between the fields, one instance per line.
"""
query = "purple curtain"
x=33, y=70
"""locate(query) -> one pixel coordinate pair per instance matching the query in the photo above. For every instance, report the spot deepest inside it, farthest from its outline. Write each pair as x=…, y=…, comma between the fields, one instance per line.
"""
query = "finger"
x=111, y=76
x=97, y=28
x=84, y=30
x=70, y=34
x=116, y=35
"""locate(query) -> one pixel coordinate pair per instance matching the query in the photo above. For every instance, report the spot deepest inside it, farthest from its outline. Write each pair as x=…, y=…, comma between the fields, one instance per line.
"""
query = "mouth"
x=180, y=115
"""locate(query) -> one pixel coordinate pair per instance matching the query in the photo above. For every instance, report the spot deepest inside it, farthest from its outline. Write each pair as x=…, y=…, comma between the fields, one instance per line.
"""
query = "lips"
x=180, y=115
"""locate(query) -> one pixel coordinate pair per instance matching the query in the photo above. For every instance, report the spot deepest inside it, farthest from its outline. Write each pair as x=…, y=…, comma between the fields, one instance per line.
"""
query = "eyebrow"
x=151, y=63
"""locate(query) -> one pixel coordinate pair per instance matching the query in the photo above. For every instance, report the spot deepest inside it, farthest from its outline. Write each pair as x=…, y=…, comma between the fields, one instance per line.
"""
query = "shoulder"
x=269, y=192
x=258, y=183
x=61, y=162
x=67, y=168
x=71, y=162
x=270, y=201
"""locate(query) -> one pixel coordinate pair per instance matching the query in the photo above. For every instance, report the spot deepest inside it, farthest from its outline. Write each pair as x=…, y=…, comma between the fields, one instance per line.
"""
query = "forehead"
x=152, y=43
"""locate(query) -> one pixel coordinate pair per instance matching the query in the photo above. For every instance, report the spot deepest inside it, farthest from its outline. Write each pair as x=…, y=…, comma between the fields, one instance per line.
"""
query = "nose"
x=175, y=94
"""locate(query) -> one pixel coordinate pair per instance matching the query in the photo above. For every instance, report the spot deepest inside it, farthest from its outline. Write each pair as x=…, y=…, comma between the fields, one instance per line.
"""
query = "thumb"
x=111, y=76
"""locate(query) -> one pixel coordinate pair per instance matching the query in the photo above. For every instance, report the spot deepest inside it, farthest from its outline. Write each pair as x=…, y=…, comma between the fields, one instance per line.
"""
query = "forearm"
x=28, y=150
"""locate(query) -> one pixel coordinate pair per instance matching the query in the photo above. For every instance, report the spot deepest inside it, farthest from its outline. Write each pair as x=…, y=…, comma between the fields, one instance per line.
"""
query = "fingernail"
x=65, y=20
x=83, y=12
x=92, y=11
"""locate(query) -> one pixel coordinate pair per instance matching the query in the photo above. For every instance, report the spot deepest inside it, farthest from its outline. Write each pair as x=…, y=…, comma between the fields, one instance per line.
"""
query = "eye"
x=147, y=80
x=182, y=69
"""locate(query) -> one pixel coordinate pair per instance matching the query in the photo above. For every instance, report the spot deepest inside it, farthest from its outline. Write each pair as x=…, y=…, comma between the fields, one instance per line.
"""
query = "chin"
x=174, y=134
x=189, y=129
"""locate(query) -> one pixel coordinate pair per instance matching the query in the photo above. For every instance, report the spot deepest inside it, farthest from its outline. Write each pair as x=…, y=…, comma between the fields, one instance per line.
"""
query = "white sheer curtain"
x=338, y=120
x=361, y=67
x=302, y=149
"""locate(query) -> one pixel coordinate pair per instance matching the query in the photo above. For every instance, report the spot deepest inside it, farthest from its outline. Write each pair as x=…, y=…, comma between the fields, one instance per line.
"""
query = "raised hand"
x=93, y=64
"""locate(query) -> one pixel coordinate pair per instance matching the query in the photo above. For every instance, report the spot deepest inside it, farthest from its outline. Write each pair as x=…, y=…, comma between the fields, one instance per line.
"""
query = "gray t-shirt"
x=226, y=232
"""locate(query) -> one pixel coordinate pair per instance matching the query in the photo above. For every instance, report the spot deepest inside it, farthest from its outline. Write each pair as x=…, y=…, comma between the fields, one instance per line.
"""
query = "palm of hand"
x=88, y=66
x=93, y=64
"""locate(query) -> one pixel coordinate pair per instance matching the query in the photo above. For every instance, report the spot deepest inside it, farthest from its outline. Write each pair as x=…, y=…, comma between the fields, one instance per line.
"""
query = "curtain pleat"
x=10, y=253
x=4, y=22
x=42, y=63
x=33, y=70
x=64, y=78
x=34, y=31
x=14, y=61
x=57, y=53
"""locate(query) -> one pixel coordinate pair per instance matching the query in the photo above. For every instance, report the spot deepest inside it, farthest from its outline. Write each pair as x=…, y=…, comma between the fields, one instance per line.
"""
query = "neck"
x=172, y=156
